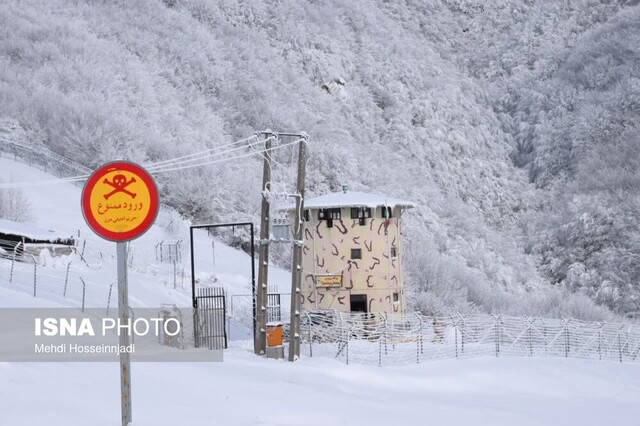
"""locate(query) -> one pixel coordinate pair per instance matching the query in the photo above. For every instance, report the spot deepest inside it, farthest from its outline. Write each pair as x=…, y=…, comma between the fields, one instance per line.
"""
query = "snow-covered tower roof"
x=355, y=199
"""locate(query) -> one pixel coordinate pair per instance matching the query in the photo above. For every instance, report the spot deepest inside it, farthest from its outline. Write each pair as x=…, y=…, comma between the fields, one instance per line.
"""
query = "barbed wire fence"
x=382, y=339
x=43, y=158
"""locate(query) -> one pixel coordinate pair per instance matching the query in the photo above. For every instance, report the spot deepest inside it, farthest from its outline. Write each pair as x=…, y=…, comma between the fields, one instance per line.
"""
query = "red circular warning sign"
x=120, y=201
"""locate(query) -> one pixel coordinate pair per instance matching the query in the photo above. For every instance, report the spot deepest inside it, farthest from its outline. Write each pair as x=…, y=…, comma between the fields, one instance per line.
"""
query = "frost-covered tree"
x=486, y=114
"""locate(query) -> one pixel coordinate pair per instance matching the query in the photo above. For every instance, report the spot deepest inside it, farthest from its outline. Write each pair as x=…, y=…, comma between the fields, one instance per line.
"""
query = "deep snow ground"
x=246, y=390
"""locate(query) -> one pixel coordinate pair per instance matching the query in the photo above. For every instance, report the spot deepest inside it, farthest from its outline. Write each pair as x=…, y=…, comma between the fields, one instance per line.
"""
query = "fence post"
x=462, y=332
x=83, y=292
x=419, y=338
x=175, y=278
x=566, y=338
x=66, y=280
x=109, y=298
x=35, y=270
x=497, y=334
x=455, y=330
x=529, y=336
x=379, y=352
x=385, y=332
x=619, y=345
x=310, y=334
x=600, y=341
x=13, y=261
x=348, y=339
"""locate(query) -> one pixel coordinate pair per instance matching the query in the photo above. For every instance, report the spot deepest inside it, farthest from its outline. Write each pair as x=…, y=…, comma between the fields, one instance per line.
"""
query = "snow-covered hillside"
x=57, y=207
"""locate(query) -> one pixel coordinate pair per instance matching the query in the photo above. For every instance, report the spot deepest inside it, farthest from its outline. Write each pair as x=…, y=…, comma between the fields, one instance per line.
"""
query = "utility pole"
x=296, y=267
x=260, y=335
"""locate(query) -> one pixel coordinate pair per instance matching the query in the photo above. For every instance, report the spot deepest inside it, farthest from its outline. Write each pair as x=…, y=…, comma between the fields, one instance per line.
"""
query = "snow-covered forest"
x=513, y=125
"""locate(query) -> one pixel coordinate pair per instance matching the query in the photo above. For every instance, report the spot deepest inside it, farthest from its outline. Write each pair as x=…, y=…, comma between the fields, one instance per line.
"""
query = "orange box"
x=274, y=334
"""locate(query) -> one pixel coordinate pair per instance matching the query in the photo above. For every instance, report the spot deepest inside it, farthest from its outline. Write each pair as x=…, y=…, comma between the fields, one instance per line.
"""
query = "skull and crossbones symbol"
x=119, y=184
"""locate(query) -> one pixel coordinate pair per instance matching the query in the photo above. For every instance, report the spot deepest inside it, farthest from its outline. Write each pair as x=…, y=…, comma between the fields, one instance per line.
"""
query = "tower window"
x=306, y=216
x=387, y=212
x=396, y=297
x=361, y=213
x=356, y=253
x=394, y=251
x=325, y=214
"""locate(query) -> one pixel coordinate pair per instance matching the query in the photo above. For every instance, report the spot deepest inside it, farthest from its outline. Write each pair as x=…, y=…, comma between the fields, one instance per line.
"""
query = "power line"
x=195, y=154
x=200, y=156
x=164, y=163
x=7, y=185
x=225, y=159
x=169, y=167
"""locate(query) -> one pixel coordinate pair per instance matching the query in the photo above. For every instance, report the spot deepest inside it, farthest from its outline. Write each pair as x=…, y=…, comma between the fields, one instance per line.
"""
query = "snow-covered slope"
x=151, y=283
x=473, y=110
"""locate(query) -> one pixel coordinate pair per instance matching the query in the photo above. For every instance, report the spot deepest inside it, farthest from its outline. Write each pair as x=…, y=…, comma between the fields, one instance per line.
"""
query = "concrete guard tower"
x=353, y=256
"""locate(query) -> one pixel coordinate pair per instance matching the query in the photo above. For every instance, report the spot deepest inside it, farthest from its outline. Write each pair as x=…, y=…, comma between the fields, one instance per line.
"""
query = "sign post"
x=119, y=203
x=123, y=314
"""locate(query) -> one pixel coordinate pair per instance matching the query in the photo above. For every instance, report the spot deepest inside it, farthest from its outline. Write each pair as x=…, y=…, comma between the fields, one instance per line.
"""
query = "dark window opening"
x=326, y=214
x=358, y=302
x=396, y=297
x=394, y=252
x=356, y=253
x=329, y=223
x=360, y=212
x=387, y=212
x=307, y=216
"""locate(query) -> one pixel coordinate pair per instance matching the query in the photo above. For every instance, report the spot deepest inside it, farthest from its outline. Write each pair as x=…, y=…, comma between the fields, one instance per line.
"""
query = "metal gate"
x=210, y=318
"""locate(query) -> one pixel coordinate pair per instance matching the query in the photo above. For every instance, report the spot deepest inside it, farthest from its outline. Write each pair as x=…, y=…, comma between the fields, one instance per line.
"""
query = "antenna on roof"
x=344, y=188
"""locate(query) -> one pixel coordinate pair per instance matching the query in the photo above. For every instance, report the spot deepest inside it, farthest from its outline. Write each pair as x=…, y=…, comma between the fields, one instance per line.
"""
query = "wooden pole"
x=260, y=339
x=296, y=267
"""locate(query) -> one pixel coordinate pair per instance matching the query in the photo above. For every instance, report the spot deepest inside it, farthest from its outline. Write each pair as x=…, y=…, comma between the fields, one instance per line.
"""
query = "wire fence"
x=381, y=339
x=41, y=157
x=277, y=309
x=63, y=283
